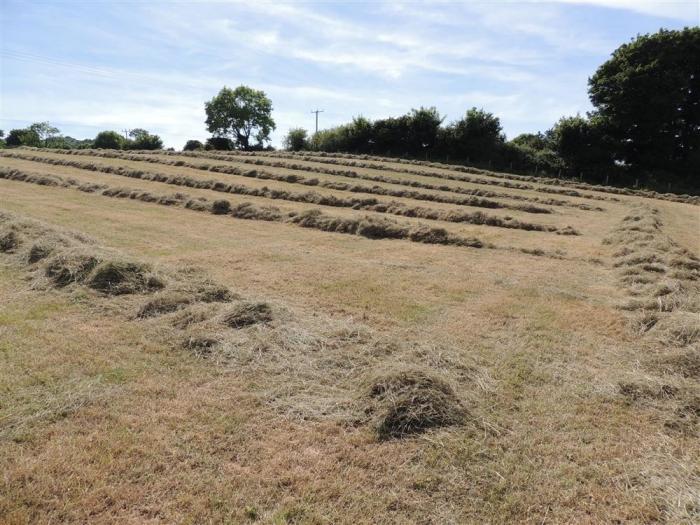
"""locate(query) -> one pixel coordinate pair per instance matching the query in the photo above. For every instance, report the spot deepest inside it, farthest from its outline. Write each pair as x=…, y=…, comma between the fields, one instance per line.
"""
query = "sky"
x=87, y=66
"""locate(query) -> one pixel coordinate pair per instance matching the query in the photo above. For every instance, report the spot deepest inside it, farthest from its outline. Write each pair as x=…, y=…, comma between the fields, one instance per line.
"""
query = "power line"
x=317, y=111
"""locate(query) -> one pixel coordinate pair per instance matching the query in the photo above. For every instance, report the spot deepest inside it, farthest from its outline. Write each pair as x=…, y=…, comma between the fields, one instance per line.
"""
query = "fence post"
x=607, y=177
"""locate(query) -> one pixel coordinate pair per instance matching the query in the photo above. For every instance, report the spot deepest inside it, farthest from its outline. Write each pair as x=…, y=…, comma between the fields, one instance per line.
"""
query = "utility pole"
x=317, y=111
x=126, y=133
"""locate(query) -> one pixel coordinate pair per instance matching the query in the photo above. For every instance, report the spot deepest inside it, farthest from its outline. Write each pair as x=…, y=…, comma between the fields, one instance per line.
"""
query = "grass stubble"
x=135, y=391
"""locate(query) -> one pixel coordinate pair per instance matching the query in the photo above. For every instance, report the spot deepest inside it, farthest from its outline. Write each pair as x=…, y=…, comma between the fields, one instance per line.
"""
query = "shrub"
x=146, y=141
x=296, y=140
x=193, y=145
x=109, y=140
x=219, y=143
x=23, y=137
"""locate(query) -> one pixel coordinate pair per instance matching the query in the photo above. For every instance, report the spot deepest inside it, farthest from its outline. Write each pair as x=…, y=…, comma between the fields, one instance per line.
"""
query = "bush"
x=296, y=140
x=146, y=141
x=109, y=140
x=219, y=143
x=23, y=137
x=193, y=145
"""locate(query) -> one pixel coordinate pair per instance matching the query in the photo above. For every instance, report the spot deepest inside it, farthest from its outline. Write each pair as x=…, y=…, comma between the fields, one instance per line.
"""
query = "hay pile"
x=410, y=401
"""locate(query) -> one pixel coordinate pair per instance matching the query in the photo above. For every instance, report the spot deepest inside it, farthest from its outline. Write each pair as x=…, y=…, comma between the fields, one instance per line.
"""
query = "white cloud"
x=686, y=11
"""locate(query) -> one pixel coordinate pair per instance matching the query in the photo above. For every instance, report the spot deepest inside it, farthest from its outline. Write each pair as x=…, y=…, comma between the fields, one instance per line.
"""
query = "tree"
x=476, y=137
x=137, y=132
x=23, y=137
x=65, y=142
x=240, y=114
x=423, y=128
x=296, y=140
x=109, y=140
x=142, y=139
x=44, y=130
x=536, y=141
x=647, y=97
x=193, y=145
x=219, y=143
x=581, y=144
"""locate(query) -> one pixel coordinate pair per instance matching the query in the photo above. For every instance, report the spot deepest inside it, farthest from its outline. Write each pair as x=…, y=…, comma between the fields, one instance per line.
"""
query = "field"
x=228, y=337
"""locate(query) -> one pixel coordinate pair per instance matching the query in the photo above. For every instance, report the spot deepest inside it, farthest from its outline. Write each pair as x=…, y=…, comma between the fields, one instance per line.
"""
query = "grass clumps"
x=411, y=401
x=163, y=303
x=211, y=292
x=201, y=345
x=123, y=277
x=38, y=252
x=9, y=241
x=221, y=207
x=71, y=266
x=247, y=313
x=685, y=363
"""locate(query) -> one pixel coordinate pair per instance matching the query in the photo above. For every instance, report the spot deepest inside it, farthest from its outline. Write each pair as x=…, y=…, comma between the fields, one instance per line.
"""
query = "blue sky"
x=92, y=65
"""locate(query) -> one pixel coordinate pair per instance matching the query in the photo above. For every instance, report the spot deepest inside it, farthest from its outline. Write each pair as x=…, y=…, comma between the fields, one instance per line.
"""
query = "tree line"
x=644, y=128
x=44, y=135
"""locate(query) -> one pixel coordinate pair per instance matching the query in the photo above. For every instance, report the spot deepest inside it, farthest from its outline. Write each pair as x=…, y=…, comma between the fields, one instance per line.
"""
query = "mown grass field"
x=286, y=338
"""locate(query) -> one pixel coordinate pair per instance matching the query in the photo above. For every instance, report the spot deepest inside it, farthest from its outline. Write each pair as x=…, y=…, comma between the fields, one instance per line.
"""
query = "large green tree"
x=647, y=98
x=243, y=114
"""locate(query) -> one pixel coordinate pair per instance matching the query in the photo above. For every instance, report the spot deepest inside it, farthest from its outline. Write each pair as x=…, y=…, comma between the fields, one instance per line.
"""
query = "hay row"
x=664, y=281
x=185, y=309
x=259, y=161
x=662, y=278
x=475, y=199
x=331, y=157
x=310, y=197
x=149, y=156
x=368, y=227
x=500, y=181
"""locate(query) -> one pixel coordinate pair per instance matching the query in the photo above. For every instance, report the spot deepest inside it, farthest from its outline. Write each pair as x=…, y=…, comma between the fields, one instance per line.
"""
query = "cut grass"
x=220, y=207
x=207, y=423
